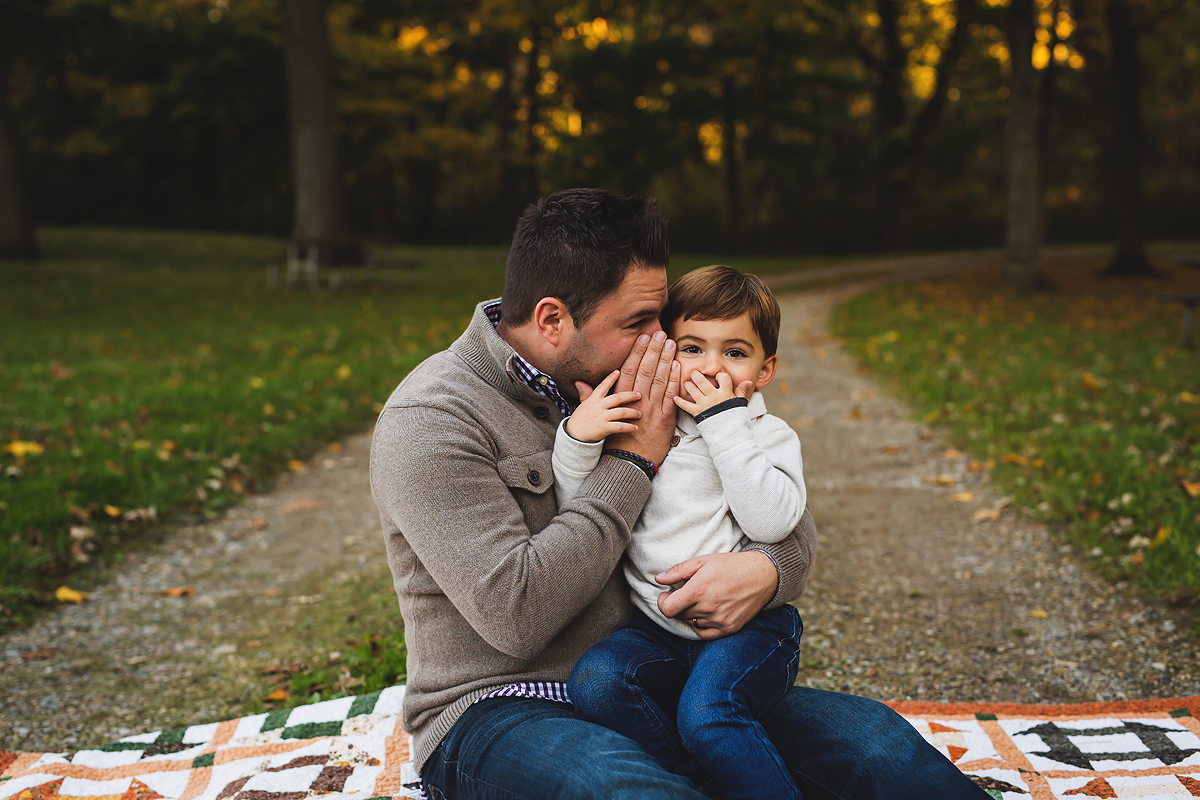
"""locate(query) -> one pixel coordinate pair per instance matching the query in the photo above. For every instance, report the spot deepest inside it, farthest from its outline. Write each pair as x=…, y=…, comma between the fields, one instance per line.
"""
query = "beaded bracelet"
x=646, y=464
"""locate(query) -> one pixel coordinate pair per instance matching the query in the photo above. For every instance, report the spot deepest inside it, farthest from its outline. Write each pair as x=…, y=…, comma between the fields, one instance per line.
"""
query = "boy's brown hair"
x=719, y=292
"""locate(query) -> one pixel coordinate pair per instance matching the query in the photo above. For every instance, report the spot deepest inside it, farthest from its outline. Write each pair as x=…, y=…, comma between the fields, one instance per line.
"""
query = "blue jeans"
x=837, y=747
x=695, y=705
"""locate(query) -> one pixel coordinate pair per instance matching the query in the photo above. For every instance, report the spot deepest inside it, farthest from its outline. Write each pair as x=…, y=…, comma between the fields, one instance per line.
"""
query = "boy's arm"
x=761, y=470
x=572, y=461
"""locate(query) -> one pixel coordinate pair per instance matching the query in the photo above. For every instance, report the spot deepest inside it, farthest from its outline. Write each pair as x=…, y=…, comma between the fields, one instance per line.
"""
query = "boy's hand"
x=599, y=413
x=703, y=395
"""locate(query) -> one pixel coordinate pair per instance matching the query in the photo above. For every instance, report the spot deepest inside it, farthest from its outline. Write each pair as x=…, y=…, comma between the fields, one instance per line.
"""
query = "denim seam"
x=643, y=696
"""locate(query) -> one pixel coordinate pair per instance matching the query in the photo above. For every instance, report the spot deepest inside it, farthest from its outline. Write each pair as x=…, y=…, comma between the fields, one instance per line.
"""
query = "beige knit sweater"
x=496, y=584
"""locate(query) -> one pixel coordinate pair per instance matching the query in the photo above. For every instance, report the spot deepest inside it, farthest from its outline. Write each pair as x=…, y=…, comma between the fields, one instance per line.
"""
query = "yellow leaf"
x=278, y=694
x=257, y=382
x=343, y=372
x=1192, y=488
x=889, y=450
x=295, y=465
x=1188, y=397
x=963, y=497
x=932, y=415
x=1013, y=458
x=19, y=448
x=178, y=591
x=1089, y=382
x=268, y=409
x=807, y=422
x=1038, y=613
x=855, y=413
x=987, y=514
x=112, y=511
x=941, y=480
x=976, y=466
x=951, y=454
x=1163, y=534
x=65, y=594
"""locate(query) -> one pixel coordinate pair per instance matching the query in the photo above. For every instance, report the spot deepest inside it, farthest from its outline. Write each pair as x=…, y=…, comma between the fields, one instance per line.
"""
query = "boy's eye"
x=735, y=353
x=689, y=348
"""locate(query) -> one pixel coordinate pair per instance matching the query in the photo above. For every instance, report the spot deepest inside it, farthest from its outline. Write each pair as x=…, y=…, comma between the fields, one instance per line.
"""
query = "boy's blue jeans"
x=695, y=705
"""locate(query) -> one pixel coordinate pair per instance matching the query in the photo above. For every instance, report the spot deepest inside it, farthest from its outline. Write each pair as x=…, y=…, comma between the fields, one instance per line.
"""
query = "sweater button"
x=674, y=440
x=541, y=412
x=535, y=477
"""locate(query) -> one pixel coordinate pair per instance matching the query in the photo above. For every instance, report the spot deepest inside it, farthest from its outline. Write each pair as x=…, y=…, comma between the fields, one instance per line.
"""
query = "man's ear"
x=552, y=320
x=767, y=373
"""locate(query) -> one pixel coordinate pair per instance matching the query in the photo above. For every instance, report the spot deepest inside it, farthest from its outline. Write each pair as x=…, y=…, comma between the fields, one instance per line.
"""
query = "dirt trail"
x=912, y=598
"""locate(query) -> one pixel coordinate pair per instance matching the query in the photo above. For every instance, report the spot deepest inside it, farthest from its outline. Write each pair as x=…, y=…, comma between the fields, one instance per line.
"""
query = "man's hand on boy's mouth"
x=699, y=393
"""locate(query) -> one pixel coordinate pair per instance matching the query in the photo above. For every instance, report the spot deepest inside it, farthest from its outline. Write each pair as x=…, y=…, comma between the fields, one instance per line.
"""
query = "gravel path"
x=912, y=598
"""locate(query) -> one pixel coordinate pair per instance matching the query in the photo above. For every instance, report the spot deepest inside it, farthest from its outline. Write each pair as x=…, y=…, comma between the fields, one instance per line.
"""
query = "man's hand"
x=652, y=372
x=600, y=414
x=723, y=591
x=699, y=394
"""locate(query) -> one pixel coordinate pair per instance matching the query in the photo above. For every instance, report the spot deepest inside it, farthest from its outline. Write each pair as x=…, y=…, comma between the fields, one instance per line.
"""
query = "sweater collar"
x=483, y=349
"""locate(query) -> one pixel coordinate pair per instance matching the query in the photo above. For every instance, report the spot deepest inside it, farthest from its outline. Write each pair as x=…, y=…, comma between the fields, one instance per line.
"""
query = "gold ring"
x=695, y=623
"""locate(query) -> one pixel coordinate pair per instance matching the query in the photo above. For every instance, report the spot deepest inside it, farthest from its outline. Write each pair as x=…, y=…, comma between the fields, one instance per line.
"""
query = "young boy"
x=732, y=478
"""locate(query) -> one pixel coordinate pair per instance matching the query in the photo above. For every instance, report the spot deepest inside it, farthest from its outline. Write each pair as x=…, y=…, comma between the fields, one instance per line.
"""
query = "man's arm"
x=437, y=479
x=725, y=590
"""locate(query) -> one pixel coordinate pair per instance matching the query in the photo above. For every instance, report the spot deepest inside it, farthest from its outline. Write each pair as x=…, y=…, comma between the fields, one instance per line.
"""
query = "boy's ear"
x=767, y=373
x=552, y=320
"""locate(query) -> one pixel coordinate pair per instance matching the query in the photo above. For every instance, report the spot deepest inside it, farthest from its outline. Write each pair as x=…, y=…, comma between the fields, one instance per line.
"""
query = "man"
x=501, y=590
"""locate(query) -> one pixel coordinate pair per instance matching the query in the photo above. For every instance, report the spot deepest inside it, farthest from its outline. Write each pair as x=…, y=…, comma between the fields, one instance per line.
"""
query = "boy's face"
x=712, y=346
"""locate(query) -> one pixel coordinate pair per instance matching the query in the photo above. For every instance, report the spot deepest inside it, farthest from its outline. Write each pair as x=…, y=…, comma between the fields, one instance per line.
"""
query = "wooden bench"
x=1189, y=302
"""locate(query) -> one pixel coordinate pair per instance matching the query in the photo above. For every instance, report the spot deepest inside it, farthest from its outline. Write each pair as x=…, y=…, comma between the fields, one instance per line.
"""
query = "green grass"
x=144, y=370
x=149, y=370
x=1083, y=401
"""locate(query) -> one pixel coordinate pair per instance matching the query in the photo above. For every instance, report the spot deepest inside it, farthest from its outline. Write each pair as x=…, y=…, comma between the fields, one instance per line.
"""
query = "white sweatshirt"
x=732, y=480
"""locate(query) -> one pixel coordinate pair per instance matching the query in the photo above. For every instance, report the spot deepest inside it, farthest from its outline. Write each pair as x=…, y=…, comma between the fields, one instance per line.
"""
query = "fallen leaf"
x=1192, y=488
x=343, y=372
x=1038, y=613
x=1089, y=382
x=19, y=448
x=889, y=450
x=940, y=480
x=1013, y=458
x=112, y=511
x=178, y=591
x=259, y=524
x=951, y=454
x=295, y=465
x=862, y=394
x=978, y=466
x=1163, y=534
x=65, y=594
x=987, y=514
x=336, y=446
x=1188, y=397
x=807, y=422
x=963, y=497
x=819, y=354
x=282, y=669
x=278, y=694
x=855, y=413
x=39, y=654
x=307, y=504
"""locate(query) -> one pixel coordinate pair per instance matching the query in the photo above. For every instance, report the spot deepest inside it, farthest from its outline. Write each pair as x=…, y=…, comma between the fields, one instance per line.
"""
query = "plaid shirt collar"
x=537, y=380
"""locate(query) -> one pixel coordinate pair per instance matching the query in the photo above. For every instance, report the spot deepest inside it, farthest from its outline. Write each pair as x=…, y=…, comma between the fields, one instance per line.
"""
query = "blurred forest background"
x=761, y=125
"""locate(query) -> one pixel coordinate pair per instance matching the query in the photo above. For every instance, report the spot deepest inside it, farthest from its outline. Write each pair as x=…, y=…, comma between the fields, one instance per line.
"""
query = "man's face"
x=602, y=343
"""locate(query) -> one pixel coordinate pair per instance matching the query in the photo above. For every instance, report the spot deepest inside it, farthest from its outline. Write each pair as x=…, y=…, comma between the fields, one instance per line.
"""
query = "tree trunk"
x=1023, y=222
x=1128, y=142
x=16, y=222
x=320, y=216
x=732, y=164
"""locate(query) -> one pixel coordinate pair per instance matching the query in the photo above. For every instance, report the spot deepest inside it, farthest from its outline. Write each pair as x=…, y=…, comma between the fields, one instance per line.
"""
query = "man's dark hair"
x=577, y=245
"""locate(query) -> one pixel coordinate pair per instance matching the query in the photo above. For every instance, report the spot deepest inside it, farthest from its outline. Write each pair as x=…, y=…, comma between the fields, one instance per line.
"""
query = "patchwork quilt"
x=355, y=748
